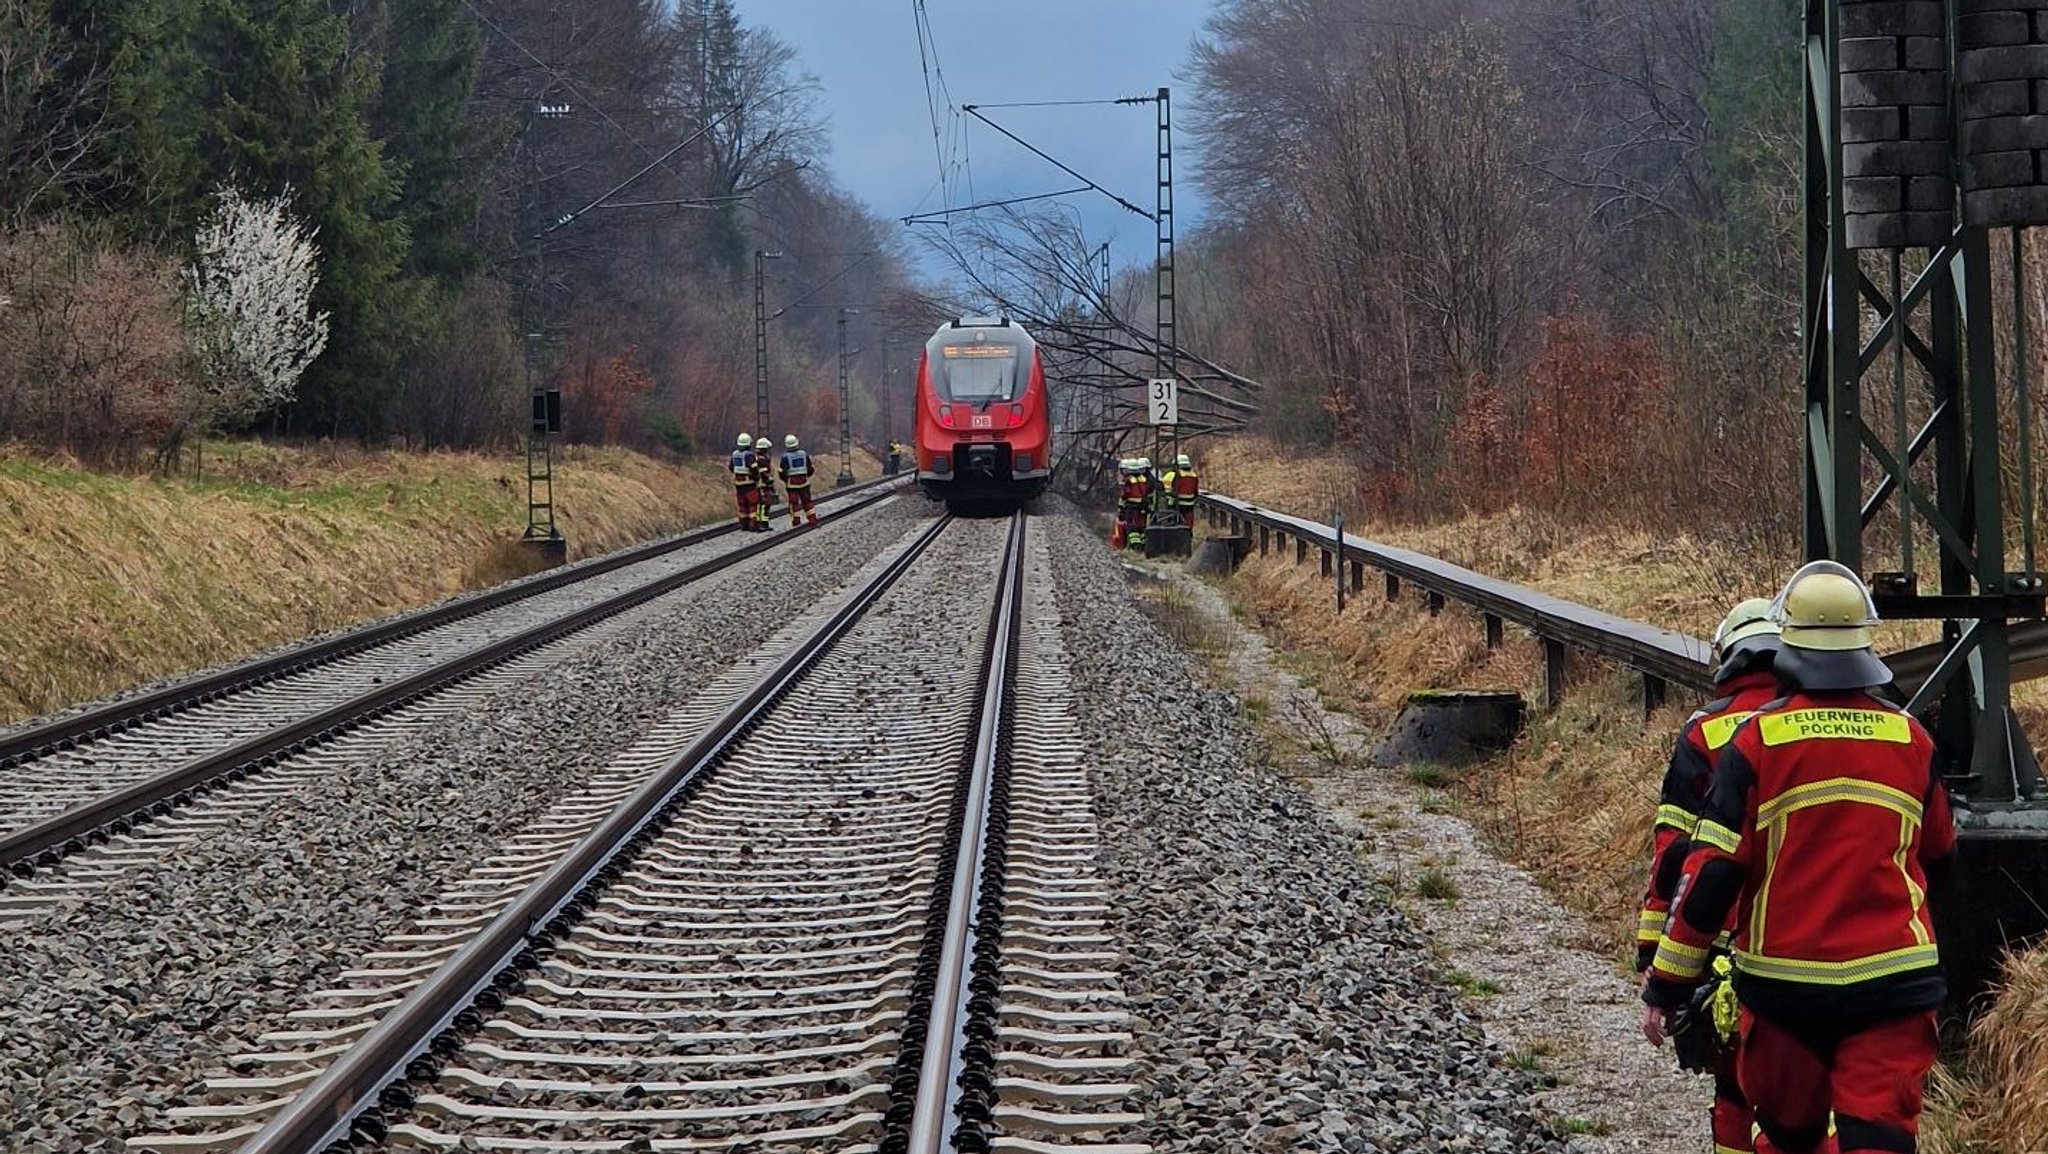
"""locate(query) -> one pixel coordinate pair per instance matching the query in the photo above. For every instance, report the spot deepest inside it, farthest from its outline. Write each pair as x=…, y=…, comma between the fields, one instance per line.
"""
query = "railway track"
x=845, y=898
x=88, y=778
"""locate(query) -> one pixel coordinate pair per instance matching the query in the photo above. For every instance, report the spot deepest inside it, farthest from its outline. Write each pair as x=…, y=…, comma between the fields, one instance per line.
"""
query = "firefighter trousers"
x=801, y=510
x=1730, y=1116
x=748, y=498
x=1871, y=1075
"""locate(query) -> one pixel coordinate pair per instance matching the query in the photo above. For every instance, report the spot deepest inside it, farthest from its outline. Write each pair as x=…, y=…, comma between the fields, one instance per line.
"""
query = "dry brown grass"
x=1572, y=801
x=115, y=580
x=1998, y=1102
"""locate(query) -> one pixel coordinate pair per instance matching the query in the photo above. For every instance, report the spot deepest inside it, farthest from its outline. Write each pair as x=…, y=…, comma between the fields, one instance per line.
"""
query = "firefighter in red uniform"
x=764, y=482
x=1745, y=645
x=746, y=489
x=1134, y=501
x=1185, y=485
x=1826, y=810
x=796, y=471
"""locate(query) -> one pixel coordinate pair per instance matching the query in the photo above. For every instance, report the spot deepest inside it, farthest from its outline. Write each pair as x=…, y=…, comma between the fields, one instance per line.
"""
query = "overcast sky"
x=865, y=56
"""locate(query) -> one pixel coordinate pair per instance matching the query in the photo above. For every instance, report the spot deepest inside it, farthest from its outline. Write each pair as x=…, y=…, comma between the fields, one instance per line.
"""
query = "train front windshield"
x=980, y=373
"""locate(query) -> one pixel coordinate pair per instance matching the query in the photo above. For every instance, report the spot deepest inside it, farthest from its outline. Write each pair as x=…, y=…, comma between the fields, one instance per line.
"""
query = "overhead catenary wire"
x=1070, y=103
x=930, y=217
x=570, y=218
x=556, y=76
x=974, y=110
x=828, y=282
x=927, y=47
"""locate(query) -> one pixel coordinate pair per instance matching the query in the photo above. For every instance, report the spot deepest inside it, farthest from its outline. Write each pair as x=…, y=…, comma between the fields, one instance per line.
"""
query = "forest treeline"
x=1543, y=252
x=424, y=145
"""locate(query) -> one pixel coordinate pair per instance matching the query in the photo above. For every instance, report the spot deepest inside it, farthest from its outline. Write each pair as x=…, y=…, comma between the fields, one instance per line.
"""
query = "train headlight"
x=946, y=415
x=1016, y=414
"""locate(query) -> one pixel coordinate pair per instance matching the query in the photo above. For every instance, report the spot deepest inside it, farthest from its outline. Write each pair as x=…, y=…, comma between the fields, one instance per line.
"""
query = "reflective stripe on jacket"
x=1686, y=782
x=743, y=468
x=1826, y=809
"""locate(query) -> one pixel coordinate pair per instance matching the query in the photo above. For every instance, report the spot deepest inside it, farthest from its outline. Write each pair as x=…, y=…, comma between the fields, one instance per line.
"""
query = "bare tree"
x=1038, y=268
x=48, y=89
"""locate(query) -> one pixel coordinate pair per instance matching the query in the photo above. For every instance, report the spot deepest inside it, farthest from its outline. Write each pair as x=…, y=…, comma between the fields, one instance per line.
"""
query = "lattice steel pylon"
x=1881, y=157
x=1164, y=364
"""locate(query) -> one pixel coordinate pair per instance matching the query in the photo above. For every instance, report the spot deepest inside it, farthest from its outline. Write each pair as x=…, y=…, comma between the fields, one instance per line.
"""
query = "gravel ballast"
x=1284, y=1003
x=117, y=1006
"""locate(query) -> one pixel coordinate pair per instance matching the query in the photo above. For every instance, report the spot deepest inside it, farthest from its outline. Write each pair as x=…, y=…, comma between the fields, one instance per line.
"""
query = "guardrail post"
x=1325, y=555
x=1300, y=549
x=1265, y=537
x=1435, y=600
x=1553, y=672
x=1393, y=587
x=1337, y=539
x=1493, y=624
x=1357, y=577
x=1653, y=693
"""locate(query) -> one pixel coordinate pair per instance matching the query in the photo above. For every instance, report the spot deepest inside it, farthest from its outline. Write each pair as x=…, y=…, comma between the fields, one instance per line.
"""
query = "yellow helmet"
x=1745, y=638
x=1825, y=614
x=1751, y=618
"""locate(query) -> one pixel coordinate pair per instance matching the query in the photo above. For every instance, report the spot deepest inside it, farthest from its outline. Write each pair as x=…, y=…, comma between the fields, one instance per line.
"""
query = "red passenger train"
x=984, y=424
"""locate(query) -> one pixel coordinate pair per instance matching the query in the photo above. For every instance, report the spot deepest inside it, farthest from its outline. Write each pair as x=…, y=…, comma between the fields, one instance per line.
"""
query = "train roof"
x=1015, y=332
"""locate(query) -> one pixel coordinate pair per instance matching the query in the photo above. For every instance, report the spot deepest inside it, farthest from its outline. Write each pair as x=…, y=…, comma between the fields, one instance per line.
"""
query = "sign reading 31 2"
x=1163, y=404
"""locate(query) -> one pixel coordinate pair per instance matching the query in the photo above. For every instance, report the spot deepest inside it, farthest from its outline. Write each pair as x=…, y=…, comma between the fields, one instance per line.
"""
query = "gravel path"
x=1553, y=991
x=115, y=1011
x=1283, y=1001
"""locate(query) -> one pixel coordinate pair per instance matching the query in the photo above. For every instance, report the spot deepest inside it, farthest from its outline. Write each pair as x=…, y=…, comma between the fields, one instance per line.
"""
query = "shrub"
x=93, y=356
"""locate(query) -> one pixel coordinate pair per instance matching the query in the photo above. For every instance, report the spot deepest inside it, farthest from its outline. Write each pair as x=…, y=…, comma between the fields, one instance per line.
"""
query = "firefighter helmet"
x=762, y=443
x=1746, y=640
x=1826, y=612
x=746, y=442
x=1182, y=462
x=789, y=442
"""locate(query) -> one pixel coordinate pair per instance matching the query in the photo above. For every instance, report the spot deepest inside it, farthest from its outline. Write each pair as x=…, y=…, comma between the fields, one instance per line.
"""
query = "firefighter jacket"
x=1186, y=485
x=743, y=473
x=1137, y=487
x=795, y=468
x=1700, y=741
x=764, y=473
x=1826, y=810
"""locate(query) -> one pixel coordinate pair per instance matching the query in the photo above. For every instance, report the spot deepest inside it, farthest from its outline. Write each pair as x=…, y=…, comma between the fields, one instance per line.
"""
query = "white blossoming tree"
x=248, y=296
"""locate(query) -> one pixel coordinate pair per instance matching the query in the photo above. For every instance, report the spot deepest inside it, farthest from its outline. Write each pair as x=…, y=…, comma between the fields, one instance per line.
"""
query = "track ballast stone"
x=118, y=1006
x=1283, y=1002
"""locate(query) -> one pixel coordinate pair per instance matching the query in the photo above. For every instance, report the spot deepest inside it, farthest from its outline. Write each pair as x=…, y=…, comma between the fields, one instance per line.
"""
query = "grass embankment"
x=1572, y=801
x=116, y=580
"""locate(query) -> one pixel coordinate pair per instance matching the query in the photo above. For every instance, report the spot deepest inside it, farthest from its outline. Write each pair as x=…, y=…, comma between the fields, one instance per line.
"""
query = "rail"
x=368, y=1075
x=946, y=1045
x=1664, y=657
x=44, y=843
x=92, y=724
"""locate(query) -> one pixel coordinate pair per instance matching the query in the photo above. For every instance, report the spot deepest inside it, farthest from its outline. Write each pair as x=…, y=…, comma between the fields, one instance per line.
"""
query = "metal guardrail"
x=1664, y=657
